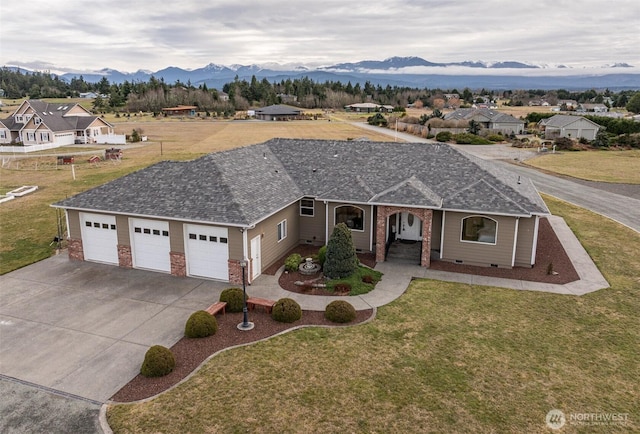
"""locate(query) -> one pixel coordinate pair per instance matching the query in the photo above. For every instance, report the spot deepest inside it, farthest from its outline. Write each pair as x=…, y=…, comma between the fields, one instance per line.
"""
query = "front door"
x=256, y=261
x=410, y=227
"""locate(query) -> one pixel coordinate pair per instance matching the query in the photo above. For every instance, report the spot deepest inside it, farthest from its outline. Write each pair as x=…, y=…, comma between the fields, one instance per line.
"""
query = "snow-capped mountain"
x=401, y=71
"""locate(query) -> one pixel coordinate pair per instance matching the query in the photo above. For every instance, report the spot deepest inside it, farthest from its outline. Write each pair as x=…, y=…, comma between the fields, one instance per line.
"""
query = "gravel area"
x=190, y=353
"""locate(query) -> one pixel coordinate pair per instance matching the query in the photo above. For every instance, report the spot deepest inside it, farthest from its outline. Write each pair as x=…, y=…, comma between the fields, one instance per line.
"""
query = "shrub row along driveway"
x=83, y=328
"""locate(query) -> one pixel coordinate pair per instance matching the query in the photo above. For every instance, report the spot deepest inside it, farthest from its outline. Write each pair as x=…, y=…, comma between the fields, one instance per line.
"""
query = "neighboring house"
x=489, y=119
x=286, y=98
x=202, y=217
x=368, y=107
x=569, y=104
x=596, y=108
x=36, y=122
x=223, y=96
x=574, y=127
x=279, y=112
x=181, y=110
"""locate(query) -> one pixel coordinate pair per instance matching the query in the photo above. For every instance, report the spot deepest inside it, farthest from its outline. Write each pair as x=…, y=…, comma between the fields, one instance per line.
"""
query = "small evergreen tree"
x=341, y=260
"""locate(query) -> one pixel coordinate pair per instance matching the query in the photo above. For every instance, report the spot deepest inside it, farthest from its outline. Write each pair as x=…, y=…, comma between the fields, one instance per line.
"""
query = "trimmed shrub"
x=158, y=361
x=200, y=325
x=286, y=310
x=470, y=139
x=340, y=311
x=367, y=279
x=342, y=288
x=341, y=260
x=495, y=138
x=234, y=298
x=322, y=255
x=443, y=136
x=292, y=262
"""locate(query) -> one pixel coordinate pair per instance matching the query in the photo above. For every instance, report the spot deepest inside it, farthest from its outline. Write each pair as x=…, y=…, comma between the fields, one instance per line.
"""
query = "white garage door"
x=150, y=245
x=207, y=251
x=99, y=237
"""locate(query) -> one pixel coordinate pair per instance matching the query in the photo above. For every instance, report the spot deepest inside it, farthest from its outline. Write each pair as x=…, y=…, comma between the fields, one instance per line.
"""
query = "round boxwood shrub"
x=286, y=310
x=292, y=262
x=200, y=325
x=158, y=361
x=322, y=255
x=234, y=298
x=340, y=311
x=444, y=136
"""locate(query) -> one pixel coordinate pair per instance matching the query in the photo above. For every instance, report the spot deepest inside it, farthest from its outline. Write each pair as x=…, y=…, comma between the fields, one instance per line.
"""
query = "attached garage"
x=100, y=238
x=150, y=246
x=207, y=251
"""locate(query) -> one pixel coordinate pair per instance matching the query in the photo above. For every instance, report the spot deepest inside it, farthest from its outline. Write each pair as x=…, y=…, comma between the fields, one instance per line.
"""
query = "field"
x=606, y=166
x=444, y=357
x=29, y=224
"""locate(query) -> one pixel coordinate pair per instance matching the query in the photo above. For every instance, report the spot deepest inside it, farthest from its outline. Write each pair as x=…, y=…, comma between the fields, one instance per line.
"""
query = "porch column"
x=381, y=233
x=427, y=220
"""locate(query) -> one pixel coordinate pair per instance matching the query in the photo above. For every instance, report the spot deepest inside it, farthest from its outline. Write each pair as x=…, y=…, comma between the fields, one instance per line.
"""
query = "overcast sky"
x=142, y=34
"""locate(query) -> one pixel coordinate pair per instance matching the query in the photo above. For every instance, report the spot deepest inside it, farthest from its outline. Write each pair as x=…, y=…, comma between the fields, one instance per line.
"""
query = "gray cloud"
x=146, y=34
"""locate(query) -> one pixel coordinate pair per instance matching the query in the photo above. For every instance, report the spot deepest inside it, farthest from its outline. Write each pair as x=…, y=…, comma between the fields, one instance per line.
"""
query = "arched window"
x=352, y=216
x=479, y=229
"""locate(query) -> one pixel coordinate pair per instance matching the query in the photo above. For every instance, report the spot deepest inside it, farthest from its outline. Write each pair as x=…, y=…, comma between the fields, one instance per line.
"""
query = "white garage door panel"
x=99, y=238
x=207, y=251
x=150, y=244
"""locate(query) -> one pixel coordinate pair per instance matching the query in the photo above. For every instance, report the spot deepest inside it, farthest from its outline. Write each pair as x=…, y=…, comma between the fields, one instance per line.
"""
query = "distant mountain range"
x=412, y=72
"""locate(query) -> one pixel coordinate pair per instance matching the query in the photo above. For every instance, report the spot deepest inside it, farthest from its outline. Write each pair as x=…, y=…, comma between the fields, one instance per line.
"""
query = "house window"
x=352, y=216
x=478, y=229
x=306, y=207
x=282, y=230
x=3, y=134
x=44, y=137
x=31, y=137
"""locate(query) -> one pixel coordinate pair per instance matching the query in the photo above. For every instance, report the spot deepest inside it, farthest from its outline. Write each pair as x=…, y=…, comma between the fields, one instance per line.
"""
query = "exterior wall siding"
x=526, y=228
x=312, y=229
x=272, y=250
x=478, y=253
x=361, y=239
x=74, y=224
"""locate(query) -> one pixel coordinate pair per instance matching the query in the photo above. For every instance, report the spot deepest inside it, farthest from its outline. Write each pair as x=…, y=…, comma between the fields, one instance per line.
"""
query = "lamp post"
x=245, y=325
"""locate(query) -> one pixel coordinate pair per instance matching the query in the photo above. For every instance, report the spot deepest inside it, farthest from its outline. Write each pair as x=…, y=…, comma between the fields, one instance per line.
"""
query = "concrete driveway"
x=83, y=328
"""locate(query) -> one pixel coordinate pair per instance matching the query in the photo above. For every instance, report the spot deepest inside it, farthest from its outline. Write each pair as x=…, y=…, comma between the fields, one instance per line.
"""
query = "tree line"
x=155, y=94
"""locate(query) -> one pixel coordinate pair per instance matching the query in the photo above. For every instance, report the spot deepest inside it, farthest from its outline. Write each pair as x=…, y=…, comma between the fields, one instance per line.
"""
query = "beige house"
x=490, y=119
x=203, y=217
x=36, y=122
x=573, y=127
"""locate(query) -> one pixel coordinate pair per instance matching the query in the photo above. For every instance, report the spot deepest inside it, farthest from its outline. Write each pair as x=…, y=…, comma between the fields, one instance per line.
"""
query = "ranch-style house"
x=202, y=217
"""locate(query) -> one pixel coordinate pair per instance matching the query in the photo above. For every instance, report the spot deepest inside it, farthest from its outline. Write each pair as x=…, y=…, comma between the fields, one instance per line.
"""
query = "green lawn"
x=444, y=357
x=607, y=166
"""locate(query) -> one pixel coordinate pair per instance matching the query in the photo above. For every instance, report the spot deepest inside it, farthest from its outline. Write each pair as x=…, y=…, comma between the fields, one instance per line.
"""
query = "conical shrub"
x=341, y=260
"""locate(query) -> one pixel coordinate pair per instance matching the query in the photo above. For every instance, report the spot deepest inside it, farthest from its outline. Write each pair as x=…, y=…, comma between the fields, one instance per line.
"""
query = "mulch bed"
x=190, y=353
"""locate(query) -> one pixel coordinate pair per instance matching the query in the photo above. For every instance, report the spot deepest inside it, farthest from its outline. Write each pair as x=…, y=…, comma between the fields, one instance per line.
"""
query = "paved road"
x=598, y=197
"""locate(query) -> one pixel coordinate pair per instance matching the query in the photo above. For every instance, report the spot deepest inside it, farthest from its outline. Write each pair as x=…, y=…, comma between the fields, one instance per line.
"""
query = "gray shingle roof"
x=561, y=121
x=244, y=185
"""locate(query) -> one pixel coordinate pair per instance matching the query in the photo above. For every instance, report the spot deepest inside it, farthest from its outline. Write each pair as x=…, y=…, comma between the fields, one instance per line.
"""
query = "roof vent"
x=335, y=155
x=264, y=155
x=314, y=170
x=519, y=180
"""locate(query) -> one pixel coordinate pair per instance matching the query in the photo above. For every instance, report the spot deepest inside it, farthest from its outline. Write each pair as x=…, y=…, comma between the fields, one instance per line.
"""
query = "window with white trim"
x=282, y=230
x=350, y=215
x=307, y=207
x=31, y=137
x=479, y=229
